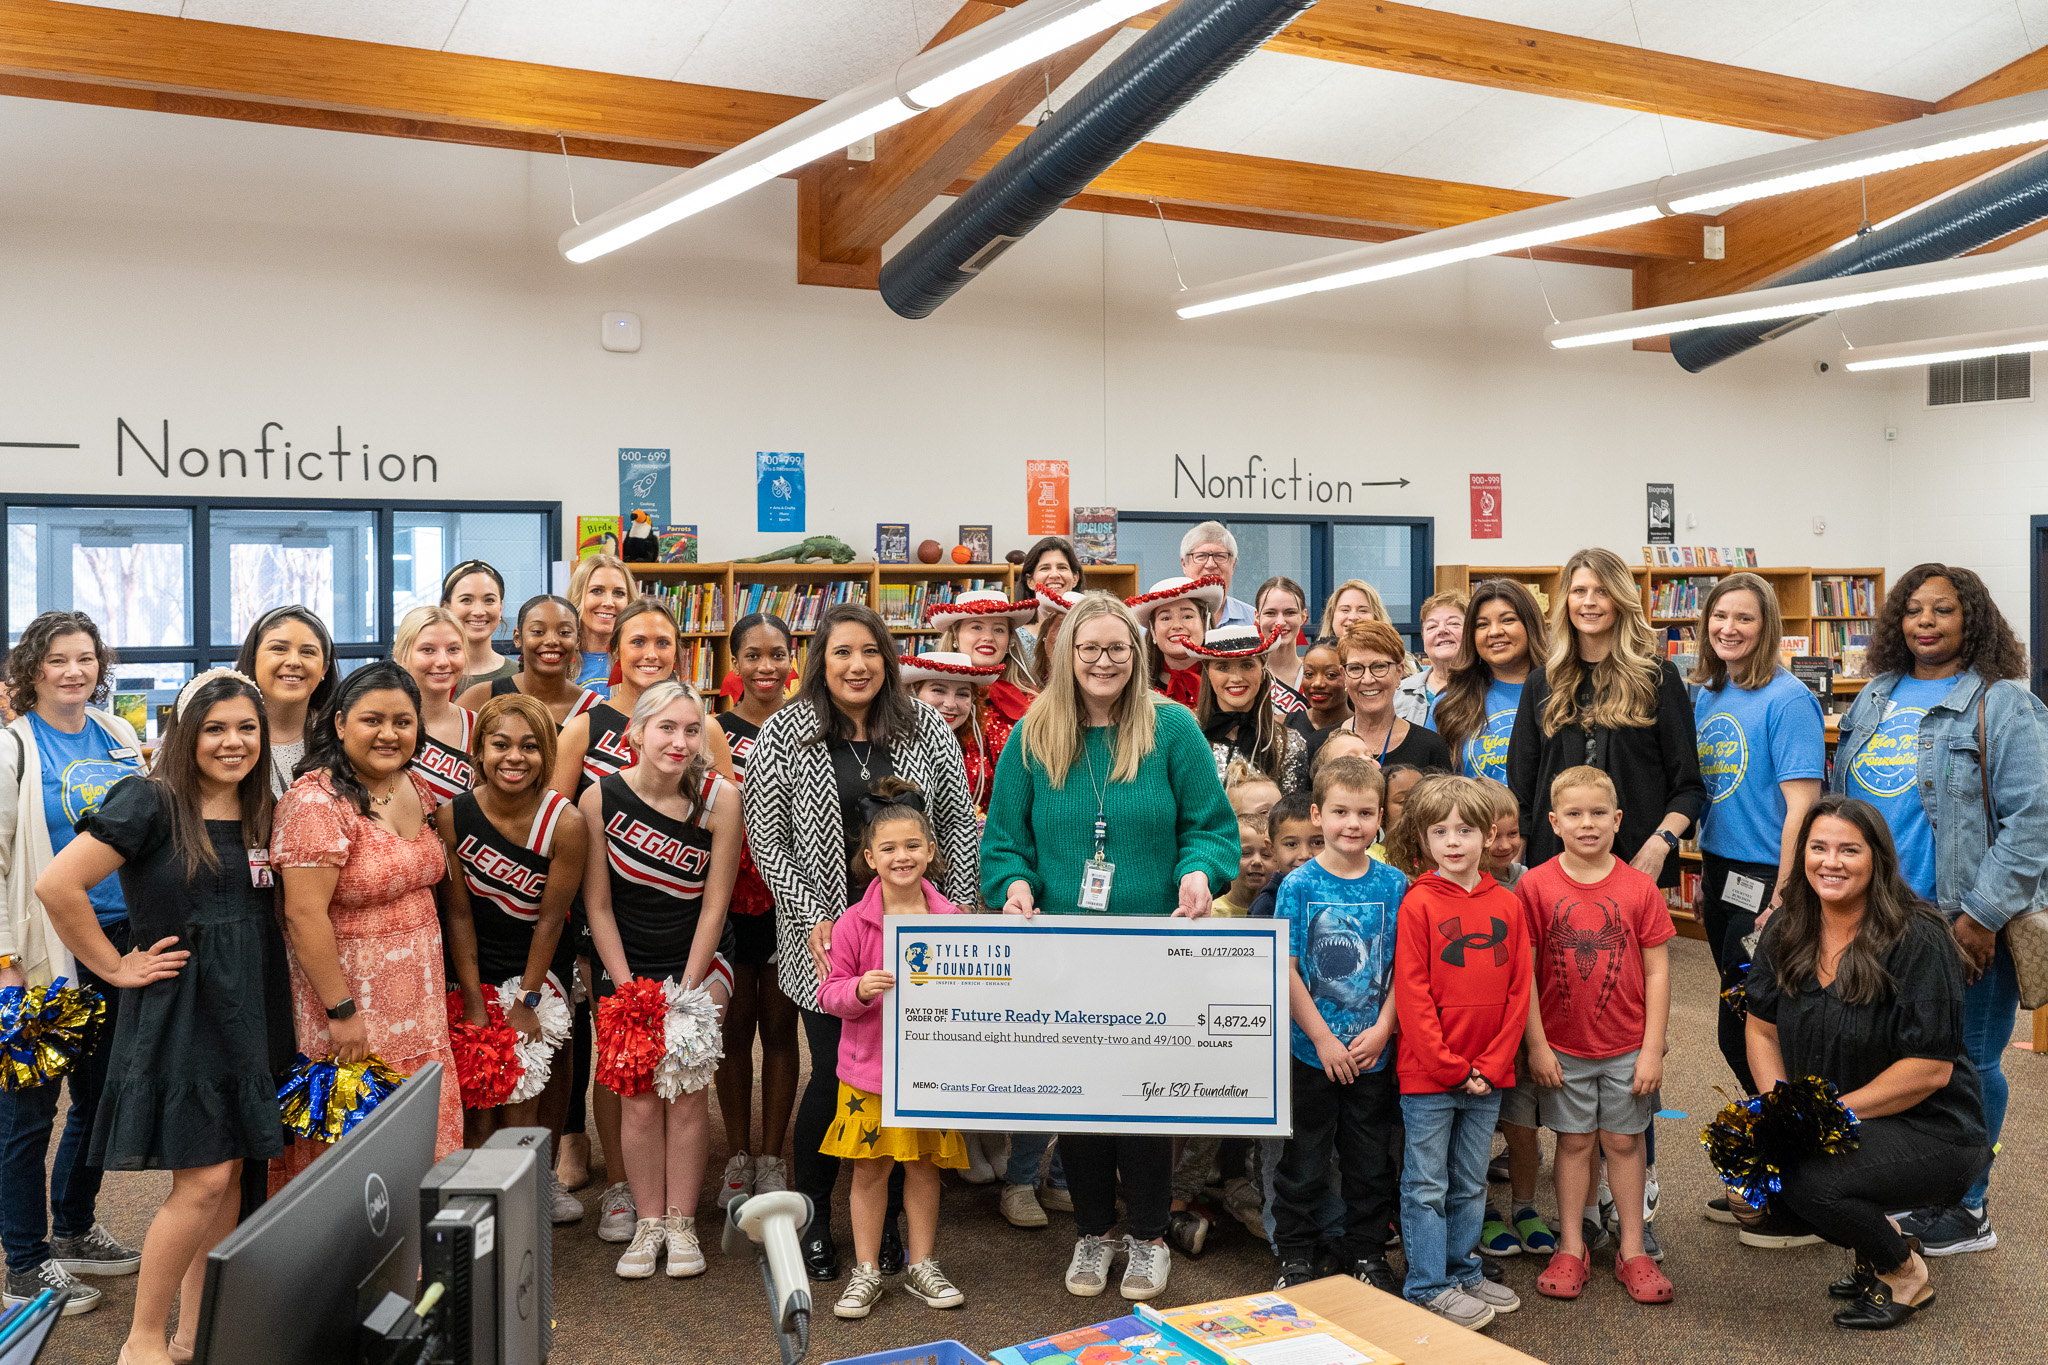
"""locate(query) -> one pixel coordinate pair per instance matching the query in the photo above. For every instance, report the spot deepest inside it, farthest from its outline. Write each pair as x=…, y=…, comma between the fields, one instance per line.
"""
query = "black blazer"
x=1655, y=767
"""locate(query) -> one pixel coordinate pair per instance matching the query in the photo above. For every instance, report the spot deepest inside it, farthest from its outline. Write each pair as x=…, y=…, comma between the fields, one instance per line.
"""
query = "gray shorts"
x=1595, y=1097
x=1518, y=1102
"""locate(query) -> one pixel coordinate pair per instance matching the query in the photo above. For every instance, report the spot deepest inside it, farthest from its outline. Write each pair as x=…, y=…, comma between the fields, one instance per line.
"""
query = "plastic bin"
x=931, y=1353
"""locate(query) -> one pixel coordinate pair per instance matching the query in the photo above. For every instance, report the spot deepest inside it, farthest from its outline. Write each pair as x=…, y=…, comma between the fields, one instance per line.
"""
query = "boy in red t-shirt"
x=1597, y=1022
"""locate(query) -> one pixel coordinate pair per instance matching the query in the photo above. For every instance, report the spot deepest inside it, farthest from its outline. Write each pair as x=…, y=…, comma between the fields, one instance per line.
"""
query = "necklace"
x=390, y=791
x=863, y=757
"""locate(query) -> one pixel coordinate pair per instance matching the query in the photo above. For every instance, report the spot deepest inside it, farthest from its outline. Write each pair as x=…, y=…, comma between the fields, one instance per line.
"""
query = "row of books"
x=1833, y=637
x=903, y=604
x=1844, y=595
x=1678, y=640
x=697, y=664
x=1699, y=556
x=801, y=605
x=1680, y=596
x=696, y=606
x=1684, y=898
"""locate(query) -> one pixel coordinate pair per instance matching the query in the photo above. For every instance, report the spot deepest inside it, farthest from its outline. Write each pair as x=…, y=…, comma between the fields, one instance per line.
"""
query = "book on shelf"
x=800, y=605
x=695, y=606
x=892, y=542
x=597, y=535
x=1677, y=597
x=903, y=604
x=1844, y=595
x=1095, y=534
x=1816, y=672
x=980, y=542
x=697, y=664
x=1262, y=1329
x=678, y=544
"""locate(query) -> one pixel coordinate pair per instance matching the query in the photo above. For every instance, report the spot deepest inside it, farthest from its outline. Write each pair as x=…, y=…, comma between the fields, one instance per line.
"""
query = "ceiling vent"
x=1984, y=379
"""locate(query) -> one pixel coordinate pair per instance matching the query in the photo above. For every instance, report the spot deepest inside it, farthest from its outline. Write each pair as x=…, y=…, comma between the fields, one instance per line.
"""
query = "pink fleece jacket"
x=857, y=950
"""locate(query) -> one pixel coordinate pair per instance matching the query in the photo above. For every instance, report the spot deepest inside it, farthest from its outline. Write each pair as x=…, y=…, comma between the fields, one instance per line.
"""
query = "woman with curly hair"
x=1947, y=743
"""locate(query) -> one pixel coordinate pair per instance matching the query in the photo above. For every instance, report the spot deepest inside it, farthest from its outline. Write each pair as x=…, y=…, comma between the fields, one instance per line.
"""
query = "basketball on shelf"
x=928, y=552
x=962, y=555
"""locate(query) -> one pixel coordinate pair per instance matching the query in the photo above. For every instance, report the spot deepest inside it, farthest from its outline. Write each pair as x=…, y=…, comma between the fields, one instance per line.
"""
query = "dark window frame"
x=202, y=653
x=1322, y=573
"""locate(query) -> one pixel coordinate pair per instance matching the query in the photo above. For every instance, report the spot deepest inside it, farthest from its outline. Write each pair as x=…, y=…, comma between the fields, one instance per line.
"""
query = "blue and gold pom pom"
x=1753, y=1141
x=322, y=1100
x=43, y=1031
x=1737, y=996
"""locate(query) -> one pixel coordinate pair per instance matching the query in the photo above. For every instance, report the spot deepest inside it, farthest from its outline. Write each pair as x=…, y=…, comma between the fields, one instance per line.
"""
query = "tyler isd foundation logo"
x=958, y=962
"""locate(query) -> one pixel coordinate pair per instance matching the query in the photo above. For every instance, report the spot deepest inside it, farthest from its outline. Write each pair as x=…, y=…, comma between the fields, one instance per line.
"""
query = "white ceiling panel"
x=650, y=38
x=1634, y=152
x=408, y=23
x=817, y=48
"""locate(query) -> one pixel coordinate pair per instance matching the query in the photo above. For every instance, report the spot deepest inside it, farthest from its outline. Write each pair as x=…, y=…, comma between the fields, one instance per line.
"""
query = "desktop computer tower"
x=485, y=1236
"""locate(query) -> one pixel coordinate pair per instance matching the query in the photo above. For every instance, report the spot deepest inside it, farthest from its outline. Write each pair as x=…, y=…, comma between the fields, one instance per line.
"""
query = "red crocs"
x=1566, y=1275
x=1642, y=1279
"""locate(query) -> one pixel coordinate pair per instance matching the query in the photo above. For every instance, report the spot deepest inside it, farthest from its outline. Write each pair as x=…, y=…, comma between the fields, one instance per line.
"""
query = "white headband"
x=185, y=692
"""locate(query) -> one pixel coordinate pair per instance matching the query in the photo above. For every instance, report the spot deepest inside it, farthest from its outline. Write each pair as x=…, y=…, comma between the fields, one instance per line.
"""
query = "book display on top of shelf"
x=892, y=542
x=980, y=542
x=597, y=535
x=1094, y=534
x=678, y=544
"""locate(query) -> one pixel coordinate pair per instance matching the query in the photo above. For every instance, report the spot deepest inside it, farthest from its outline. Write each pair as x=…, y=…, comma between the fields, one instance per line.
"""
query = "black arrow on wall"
x=1385, y=483
x=39, y=445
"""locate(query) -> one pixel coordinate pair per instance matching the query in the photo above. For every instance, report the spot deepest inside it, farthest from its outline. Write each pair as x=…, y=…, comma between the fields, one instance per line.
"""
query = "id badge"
x=259, y=868
x=1744, y=893
x=1096, y=877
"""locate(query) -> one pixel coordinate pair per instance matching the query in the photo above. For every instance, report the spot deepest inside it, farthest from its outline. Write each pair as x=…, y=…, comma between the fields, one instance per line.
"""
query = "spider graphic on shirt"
x=1574, y=950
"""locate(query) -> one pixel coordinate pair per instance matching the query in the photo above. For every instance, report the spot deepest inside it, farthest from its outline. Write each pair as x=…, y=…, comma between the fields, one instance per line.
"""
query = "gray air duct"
x=1180, y=57
x=1973, y=217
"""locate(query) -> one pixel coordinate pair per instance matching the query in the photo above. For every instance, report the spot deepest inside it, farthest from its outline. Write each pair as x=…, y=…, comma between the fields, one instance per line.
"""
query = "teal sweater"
x=1172, y=819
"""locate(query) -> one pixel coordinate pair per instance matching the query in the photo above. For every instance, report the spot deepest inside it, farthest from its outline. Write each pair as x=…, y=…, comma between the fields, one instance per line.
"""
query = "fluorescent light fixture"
x=1936, y=350
x=2000, y=123
x=1009, y=42
x=1963, y=275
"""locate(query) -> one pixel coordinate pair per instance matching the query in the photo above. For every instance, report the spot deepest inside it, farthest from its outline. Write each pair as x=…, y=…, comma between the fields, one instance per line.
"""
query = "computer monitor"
x=293, y=1283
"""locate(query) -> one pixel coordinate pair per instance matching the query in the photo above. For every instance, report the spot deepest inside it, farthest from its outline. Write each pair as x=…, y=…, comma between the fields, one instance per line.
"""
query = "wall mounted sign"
x=779, y=490
x=1486, y=507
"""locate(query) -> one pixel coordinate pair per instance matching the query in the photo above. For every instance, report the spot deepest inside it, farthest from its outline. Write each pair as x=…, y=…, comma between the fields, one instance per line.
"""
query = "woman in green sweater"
x=1101, y=769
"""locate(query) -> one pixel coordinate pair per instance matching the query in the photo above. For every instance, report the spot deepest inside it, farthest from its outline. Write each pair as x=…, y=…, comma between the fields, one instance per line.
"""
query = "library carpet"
x=1734, y=1305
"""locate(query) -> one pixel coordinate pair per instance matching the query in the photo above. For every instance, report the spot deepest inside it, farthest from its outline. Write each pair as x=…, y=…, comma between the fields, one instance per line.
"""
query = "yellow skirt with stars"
x=857, y=1131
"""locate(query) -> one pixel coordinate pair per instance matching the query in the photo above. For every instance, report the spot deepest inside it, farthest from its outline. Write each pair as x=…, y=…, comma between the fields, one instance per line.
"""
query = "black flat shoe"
x=891, y=1260
x=1850, y=1286
x=1875, y=1310
x=821, y=1258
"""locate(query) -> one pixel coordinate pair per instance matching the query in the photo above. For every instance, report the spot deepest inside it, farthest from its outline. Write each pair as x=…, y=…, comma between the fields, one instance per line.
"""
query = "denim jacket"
x=1990, y=882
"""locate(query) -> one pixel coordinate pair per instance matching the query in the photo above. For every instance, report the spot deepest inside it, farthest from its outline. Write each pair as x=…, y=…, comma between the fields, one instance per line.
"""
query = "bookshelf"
x=706, y=599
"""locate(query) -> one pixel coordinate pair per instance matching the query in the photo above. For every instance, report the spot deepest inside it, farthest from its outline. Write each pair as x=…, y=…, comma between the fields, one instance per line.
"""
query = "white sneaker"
x=978, y=1171
x=738, y=1180
x=616, y=1214
x=771, y=1175
x=685, y=1256
x=1088, y=1271
x=1147, y=1268
x=1020, y=1207
x=637, y=1263
x=562, y=1207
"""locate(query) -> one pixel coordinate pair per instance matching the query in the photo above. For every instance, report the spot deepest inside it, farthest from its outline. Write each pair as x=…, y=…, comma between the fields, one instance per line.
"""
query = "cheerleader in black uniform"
x=762, y=651
x=658, y=879
x=516, y=852
x=548, y=660
x=428, y=645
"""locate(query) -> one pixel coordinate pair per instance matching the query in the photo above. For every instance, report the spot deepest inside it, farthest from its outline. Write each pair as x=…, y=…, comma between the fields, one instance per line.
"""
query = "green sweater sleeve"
x=1204, y=821
x=1009, y=843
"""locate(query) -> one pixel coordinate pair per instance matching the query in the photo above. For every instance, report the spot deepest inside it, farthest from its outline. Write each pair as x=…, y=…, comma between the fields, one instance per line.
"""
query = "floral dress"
x=386, y=934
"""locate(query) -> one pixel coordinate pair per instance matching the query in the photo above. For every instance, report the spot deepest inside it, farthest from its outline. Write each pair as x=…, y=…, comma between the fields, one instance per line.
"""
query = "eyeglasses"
x=1218, y=557
x=1378, y=670
x=1089, y=654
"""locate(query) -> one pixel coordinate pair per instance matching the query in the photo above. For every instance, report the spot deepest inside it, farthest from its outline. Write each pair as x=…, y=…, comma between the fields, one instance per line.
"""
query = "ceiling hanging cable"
x=1656, y=108
x=1046, y=112
x=1530, y=252
x=569, y=169
x=1171, y=252
x=2020, y=14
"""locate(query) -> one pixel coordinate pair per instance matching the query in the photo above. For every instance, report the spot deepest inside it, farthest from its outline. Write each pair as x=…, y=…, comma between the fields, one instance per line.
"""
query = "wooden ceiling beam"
x=1453, y=47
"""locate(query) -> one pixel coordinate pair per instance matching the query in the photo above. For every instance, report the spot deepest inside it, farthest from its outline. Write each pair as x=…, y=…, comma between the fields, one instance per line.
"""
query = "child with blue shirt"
x=1341, y=906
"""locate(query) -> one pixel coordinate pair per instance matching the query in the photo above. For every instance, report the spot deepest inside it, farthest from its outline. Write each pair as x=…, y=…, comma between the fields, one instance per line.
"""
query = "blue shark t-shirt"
x=1750, y=741
x=1340, y=931
x=1486, y=752
x=1886, y=773
x=78, y=772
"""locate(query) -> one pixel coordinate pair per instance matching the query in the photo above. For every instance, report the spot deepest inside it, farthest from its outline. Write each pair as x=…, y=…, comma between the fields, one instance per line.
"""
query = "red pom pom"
x=632, y=1036
x=486, y=1056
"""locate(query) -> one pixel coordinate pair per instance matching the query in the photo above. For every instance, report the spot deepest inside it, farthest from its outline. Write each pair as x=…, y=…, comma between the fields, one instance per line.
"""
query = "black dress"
x=657, y=866
x=192, y=1074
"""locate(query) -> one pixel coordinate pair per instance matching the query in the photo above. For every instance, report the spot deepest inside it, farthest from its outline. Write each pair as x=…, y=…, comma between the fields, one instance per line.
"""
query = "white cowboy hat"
x=946, y=667
x=1206, y=591
x=980, y=605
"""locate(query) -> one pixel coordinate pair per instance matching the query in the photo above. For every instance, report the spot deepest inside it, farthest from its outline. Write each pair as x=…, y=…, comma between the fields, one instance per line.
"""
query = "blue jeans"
x=33, y=1194
x=1443, y=1188
x=1027, y=1150
x=1988, y=1010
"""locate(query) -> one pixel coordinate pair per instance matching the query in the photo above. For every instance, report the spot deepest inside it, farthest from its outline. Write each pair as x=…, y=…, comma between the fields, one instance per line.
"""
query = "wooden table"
x=1393, y=1324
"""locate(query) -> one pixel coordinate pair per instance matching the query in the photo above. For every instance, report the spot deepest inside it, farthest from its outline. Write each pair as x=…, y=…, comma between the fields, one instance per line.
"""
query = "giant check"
x=1085, y=1024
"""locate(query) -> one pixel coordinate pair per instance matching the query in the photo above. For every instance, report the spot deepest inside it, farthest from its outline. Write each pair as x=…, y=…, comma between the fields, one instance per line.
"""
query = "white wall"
x=222, y=275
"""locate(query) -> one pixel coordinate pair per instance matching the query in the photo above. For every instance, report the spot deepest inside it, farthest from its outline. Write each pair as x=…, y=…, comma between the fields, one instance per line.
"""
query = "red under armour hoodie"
x=1461, y=984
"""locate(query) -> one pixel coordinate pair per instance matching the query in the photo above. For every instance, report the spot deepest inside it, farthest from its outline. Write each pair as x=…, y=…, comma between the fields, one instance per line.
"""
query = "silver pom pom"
x=695, y=1043
x=537, y=1055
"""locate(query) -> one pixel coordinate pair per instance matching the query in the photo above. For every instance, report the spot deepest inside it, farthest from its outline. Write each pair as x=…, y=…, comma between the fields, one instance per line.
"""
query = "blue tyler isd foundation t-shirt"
x=78, y=771
x=1340, y=931
x=1750, y=741
x=1886, y=773
x=1486, y=753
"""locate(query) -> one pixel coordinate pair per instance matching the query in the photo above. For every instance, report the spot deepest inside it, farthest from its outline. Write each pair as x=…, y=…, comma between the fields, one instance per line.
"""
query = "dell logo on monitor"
x=377, y=1204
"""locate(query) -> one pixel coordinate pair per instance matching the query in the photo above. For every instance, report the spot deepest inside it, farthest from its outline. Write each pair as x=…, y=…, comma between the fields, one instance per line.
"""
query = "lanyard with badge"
x=1098, y=873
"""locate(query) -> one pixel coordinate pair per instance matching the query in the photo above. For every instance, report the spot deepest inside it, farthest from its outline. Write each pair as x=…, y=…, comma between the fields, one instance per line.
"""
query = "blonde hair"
x=1449, y=597
x=652, y=703
x=1762, y=664
x=1433, y=800
x=1373, y=602
x=1053, y=731
x=1625, y=683
x=586, y=568
x=1585, y=775
x=413, y=624
x=533, y=711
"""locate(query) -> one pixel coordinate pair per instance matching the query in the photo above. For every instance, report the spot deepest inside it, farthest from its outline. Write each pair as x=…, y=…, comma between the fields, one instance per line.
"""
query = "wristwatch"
x=345, y=1010
x=6, y=961
x=1668, y=837
x=531, y=999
